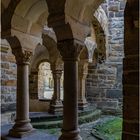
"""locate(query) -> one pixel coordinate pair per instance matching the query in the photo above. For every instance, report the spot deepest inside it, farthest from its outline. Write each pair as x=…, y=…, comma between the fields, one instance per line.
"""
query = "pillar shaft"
x=57, y=76
x=33, y=85
x=70, y=52
x=70, y=122
x=22, y=92
x=70, y=96
x=56, y=105
x=83, y=68
x=22, y=125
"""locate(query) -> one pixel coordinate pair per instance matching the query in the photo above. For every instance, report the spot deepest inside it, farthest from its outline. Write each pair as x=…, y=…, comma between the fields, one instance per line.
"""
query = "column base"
x=21, y=129
x=82, y=105
x=56, y=108
x=70, y=135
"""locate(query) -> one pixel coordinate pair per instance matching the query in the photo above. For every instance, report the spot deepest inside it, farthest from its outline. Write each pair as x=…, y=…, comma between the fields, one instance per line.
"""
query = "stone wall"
x=8, y=82
x=104, y=80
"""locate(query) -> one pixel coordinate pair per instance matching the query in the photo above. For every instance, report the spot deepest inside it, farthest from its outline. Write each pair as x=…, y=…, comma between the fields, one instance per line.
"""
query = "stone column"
x=56, y=105
x=22, y=125
x=131, y=72
x=70, y=53
x=83, y=71
x=33, y=84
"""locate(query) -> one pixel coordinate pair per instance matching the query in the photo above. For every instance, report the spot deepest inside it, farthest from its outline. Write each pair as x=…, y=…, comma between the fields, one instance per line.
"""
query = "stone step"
x=47, y=124
x=45, y=116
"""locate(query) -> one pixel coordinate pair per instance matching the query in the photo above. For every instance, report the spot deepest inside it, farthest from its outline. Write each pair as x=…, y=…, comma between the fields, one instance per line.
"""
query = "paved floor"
x=85, y=132
x=34, y=136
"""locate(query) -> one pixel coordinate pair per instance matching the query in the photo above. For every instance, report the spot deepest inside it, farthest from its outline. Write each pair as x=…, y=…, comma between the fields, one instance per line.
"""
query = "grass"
x=111, y=129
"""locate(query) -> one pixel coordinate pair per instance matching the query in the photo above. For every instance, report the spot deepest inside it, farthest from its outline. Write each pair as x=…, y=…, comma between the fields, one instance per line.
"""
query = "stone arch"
x=74, y=25
x=26, y=15
x=101, y=16
x=84, y=54
x=24, y=21
x=51, y=46
x=45, y=79
x=29, y=21
x=100, y=25
x=7, y=13
x=41, y=54
x=82, y=11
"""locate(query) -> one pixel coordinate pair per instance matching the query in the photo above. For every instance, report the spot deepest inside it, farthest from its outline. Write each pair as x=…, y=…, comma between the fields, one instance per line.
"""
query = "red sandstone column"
x=56, y=105
x=83, y=71
x=70, y=52
x=131, y=72
x=22, y=123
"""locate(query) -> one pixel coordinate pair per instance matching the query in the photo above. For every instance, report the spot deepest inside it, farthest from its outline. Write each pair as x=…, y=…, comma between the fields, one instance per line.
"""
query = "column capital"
x=55, y=66
x=70, y=49
x=22, y=56
x=57, y=70
x=57, y=73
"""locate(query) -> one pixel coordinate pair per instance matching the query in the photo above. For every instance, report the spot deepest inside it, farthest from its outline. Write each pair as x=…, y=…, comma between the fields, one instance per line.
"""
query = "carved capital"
x=57, y=74
x=56, y=66
x=22, y=56
x=57, y=70
x=70, y=49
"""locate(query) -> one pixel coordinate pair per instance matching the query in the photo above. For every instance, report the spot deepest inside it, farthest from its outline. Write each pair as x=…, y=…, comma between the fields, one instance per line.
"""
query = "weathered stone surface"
x=113, y=93
x=8, y=107
x=8, y=83
x=105, y=80
x=119, y=14
x=6, y=98
x=111, y=14
x=107, y=104
x=8, y=117
x=116, y=23
x=114, y=8
x=122, y=5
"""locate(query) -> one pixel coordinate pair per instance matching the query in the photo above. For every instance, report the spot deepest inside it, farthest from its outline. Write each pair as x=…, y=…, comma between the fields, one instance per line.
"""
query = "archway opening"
x=46, y=82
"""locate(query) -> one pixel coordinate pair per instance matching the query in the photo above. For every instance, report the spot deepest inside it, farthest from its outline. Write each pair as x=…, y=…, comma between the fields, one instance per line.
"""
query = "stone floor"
x=43, y=135
x=85, y=131
x=54, y=133
x=37, y=135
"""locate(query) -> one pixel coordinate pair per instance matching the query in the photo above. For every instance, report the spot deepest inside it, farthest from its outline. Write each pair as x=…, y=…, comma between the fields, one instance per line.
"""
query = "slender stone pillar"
x=56, y=105
x=70, y=52
x=22, y=125
x=33, y=84
x=83, y=71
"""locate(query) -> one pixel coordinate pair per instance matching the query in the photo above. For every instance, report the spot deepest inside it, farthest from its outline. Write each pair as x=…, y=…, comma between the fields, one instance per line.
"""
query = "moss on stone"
x=109, y=130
